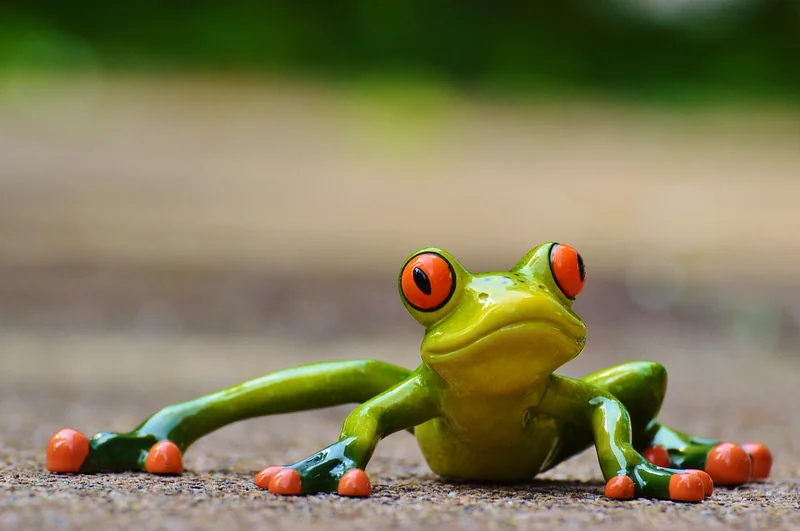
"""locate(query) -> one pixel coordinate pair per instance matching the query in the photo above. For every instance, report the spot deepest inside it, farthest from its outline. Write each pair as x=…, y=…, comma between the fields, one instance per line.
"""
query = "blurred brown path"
x=200, y=173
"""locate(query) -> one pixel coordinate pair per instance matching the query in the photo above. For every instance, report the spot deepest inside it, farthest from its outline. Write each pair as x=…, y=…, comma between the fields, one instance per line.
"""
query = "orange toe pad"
x=265, y=476
x=286, y=481
x=66, y=451
x=620, y=488
x=686, y=487
x=708, y=483
x=164, y=458
x=657, y=455
x=728, y=464
x=354, y=483
x=762, y=459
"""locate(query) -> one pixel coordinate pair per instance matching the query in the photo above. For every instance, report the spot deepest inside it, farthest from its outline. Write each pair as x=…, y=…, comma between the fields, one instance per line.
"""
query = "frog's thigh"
x=639, y=385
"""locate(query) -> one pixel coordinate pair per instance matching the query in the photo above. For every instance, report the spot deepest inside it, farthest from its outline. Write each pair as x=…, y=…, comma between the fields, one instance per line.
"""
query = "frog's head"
x=499, y=332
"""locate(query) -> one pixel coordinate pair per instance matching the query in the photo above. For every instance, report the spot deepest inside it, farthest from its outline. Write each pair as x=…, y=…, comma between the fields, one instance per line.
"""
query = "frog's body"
x=484, y=405
x=472, y=442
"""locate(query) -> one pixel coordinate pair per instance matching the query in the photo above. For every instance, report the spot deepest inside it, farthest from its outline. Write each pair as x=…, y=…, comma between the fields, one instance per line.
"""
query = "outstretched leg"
x=158, y=443
x=627, y=473
x=641, y=387
x=340, y=466
x=727, y=463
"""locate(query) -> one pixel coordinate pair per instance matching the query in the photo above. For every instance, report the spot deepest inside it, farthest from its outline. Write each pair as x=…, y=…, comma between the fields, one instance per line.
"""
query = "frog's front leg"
x=157, y=444
x=627, y=473
x=340, y=467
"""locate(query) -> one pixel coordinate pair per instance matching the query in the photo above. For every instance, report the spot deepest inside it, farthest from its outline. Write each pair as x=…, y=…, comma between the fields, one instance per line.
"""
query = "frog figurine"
x=485, y=404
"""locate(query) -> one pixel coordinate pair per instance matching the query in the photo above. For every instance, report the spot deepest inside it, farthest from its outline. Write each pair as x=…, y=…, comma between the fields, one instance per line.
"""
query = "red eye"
x=568, y=269
x=427, y=281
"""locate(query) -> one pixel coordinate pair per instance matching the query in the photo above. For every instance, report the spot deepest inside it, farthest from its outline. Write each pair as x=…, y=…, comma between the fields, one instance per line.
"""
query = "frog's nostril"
x=541, y=287
x=483, y=296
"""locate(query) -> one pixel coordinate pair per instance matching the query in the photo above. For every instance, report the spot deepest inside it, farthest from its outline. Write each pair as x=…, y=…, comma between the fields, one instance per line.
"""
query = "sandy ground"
x=160, y=240
x=110, y=382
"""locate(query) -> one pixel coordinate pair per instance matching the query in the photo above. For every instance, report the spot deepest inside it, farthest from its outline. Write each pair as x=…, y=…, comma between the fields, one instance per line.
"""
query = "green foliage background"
x=719, y=49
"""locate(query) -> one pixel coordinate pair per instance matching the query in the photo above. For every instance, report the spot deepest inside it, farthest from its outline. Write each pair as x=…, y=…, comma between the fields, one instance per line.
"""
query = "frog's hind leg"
x=641, y=387
x=157, y=445
x=727, y=463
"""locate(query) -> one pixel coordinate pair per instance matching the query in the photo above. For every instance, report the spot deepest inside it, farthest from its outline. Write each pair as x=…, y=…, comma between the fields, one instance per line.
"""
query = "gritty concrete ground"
x=95, y=382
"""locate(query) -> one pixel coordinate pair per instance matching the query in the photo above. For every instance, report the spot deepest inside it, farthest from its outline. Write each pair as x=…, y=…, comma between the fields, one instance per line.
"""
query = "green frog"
x=485, y=405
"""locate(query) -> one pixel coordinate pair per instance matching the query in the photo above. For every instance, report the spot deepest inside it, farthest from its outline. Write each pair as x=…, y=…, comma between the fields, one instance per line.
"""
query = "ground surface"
x=91, y=382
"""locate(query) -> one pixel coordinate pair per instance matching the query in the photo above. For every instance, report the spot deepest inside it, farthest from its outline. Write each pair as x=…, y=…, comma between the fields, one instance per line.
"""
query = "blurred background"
x=192, y=193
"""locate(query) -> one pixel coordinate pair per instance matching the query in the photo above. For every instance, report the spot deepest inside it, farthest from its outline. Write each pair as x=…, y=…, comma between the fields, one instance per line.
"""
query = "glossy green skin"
x=484, y=405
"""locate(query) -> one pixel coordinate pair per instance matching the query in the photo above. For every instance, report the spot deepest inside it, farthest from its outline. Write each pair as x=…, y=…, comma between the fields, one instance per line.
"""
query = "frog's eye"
x=568, y=269
x=427, y=281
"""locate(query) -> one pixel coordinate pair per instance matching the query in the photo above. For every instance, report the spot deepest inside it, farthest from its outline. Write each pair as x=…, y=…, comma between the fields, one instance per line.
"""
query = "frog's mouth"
x=537, y=324
x=525, y=331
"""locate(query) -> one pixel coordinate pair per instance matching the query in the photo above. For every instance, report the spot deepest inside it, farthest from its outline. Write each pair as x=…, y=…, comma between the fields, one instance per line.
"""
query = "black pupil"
x=581, y=267
x=422, y=281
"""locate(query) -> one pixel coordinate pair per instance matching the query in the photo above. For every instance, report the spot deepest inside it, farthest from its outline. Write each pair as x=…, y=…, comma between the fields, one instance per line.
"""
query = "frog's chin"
x=509, y=359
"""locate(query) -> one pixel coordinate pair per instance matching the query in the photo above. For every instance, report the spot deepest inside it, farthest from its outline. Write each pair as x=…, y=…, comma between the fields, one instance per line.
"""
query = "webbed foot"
x=70, y=451
x=288, y=482
x=330, y=470
x=727, y=463
x=650, y=481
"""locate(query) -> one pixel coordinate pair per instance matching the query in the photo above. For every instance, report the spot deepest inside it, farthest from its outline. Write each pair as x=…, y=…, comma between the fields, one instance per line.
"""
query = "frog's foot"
x=727, y=463
x=70, y=451
x=329, y=470
x=733, y=464
x=288, y=481
x=650, y=481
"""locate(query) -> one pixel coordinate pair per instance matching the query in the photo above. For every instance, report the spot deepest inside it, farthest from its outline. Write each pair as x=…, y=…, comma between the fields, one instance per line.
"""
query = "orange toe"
x=66, y=451
x=762, y=459
x=265, y=476
x=354, y=483
x=708, y=483
x=728, y=464
x=620, y=488
x=686, y=487
x=286, y=481
x=657, y=455
x=164, y=458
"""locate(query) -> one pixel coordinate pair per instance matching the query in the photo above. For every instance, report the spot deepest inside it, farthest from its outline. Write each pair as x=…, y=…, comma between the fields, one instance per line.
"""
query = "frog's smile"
x=513, y=318
x=474, y=340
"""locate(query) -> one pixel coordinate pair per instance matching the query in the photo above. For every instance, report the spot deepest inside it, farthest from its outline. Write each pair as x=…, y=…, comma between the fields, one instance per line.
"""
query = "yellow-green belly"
x=485, y=446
